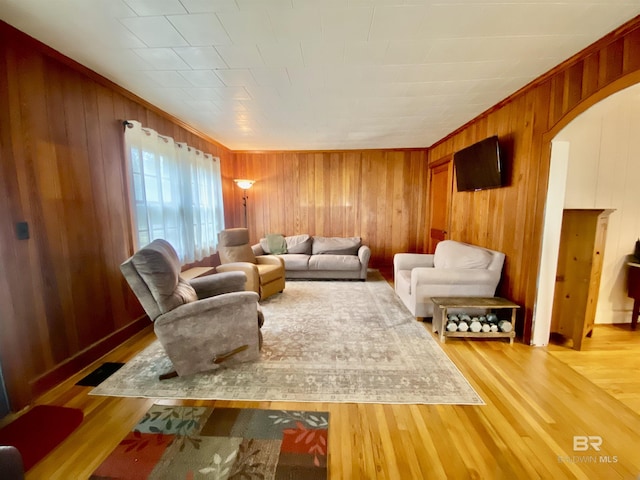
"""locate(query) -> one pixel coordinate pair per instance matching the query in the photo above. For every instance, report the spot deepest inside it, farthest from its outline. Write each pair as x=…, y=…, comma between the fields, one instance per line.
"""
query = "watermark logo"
x=582, y=443
x=590, y=444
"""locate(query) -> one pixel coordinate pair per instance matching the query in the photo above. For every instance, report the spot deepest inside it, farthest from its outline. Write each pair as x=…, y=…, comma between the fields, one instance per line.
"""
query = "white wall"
x=604, y=172
x=550, y=242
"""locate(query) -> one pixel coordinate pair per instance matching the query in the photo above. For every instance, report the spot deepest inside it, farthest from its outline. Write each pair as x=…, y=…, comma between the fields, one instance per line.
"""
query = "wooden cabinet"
x=582, y=241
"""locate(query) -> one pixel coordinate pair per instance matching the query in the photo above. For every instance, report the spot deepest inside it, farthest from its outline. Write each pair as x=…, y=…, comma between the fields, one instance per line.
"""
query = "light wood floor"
x=535, y=404
x=610, y=358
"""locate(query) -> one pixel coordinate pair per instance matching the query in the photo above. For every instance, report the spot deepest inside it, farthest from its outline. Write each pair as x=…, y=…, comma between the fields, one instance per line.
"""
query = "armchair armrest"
x=207, y=308
x=219, y=283
x=364, y=254
x=270, y=260
x=249, y=269
x=409, y=261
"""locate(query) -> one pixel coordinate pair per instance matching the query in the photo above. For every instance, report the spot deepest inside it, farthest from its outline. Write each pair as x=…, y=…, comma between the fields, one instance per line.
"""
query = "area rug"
x=38, y=431
x=201, y=442
x=324, y=341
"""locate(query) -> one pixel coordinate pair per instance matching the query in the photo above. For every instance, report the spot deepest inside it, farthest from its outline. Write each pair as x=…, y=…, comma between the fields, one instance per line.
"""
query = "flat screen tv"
x=480, y=166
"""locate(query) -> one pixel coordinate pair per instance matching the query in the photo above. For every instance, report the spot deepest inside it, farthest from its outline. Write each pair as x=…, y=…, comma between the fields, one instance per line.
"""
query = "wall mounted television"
x=480, y=166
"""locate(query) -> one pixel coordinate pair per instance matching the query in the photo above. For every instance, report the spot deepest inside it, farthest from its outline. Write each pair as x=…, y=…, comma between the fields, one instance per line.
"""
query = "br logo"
x=582, y=443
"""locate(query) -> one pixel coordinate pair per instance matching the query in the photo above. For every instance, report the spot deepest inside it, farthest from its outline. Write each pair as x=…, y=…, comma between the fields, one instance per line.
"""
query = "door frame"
x=443, y=163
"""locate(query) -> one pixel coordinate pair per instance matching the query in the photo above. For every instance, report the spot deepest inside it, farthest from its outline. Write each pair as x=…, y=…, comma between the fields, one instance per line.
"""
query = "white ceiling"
x=320, y=74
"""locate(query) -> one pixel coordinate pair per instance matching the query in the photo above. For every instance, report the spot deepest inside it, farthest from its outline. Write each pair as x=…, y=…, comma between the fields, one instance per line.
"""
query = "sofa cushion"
x=296, y=261
x=336, y=245
x=334, y=262
x=452, y=254
x=299, y=244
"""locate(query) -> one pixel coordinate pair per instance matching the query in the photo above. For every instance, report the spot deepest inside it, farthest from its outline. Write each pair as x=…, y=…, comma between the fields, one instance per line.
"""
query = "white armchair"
x=455, y=270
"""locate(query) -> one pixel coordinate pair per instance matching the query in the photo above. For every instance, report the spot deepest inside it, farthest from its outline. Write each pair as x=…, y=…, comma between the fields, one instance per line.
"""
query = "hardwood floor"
x=535, y=404
x=610, y=358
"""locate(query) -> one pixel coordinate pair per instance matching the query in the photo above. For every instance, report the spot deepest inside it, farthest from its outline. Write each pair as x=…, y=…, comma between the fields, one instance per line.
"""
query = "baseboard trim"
x=87, y=356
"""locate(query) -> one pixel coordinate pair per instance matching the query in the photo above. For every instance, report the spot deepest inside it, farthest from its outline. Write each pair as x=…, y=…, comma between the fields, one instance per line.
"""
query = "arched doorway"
x=593, y=162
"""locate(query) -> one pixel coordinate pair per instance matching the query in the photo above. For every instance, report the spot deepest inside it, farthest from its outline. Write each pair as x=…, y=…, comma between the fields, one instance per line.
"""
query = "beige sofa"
x=307, y=257
x=454, y=270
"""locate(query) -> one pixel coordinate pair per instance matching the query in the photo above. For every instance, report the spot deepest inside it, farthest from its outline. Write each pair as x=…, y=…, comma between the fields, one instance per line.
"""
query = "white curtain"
x=176, y=193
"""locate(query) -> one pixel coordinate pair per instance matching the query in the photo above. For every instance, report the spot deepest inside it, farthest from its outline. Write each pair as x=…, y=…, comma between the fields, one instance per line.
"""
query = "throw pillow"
x=299, y=244
x=277, y=244
x=336, y=245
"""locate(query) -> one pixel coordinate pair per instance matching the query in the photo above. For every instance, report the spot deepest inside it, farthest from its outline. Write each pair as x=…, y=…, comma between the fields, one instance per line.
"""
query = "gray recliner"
x=200, y=323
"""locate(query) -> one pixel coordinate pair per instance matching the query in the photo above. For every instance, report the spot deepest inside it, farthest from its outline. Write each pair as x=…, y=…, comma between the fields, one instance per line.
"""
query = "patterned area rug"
x=221, y=443
x=324, y=341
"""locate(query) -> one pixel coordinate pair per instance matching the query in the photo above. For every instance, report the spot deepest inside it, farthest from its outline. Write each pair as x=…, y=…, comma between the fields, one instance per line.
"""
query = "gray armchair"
x=200, y=323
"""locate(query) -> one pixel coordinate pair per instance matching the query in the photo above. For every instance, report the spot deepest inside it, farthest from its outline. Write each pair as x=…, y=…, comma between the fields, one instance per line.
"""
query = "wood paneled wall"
x=63, y=300
x=511, y=219
x=379, y=195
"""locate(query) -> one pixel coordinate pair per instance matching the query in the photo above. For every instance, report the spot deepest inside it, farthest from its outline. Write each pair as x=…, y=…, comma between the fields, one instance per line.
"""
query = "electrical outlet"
x=22, y=230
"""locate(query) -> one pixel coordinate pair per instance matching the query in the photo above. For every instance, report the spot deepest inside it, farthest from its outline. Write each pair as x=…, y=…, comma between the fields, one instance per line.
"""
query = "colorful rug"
x=40, y=430
x=324, y=341
x=221, y=443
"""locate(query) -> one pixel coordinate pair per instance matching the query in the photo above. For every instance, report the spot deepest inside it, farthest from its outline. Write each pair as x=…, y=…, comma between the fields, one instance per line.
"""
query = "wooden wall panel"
x=379, y=195
x=64, y=301
x=510, y=219
x=62, y=298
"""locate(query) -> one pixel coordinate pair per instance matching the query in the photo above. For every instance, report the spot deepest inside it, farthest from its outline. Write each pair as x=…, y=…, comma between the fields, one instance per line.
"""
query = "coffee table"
x=442, y=304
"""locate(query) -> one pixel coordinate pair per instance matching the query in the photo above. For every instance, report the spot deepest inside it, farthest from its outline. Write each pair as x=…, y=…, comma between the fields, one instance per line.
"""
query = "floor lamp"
x=245, y=185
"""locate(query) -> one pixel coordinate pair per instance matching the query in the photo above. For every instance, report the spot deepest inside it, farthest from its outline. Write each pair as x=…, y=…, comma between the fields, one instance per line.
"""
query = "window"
x=176, y=193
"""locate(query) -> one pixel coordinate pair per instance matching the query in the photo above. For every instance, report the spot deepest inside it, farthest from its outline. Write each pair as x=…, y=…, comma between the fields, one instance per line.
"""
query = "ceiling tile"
x=349, y=24
x=200, y=29
x=209, y=6
x=264, y=4
x=161, y=58
x=104, y=9
x=248, y=27
x=240, y=56
x=365, y=53
x=296, y=25
x=167, y=78
x=201, y=58
x=154, y=31
x=400, y=52
x=398, y=23
x=322, y=54
x=281, y=55
x=155, y=7
x=236, y=77
x=177, y=95
x=201, y=78
x=307, y=76
x=271, y=76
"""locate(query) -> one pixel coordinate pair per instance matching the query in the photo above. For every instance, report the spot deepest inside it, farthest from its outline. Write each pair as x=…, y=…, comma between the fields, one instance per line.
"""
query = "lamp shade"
x=243, y=183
